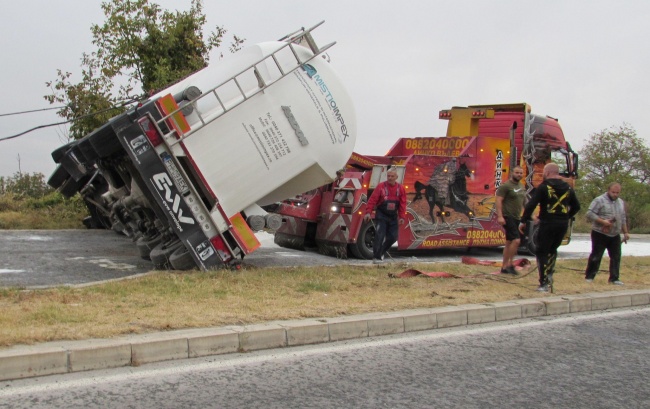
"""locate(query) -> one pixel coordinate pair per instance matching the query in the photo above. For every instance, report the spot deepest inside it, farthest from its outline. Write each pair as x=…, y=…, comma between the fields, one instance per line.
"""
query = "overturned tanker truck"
x=185, y=172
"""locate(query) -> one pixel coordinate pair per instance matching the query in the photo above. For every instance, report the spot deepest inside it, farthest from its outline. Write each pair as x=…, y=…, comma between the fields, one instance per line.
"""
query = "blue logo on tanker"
x=309, y=69
x=313, y=74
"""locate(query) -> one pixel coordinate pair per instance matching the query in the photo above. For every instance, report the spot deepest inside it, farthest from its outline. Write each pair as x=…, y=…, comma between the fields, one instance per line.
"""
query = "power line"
x=122, y=105
x=6, y=138
x=31, y=111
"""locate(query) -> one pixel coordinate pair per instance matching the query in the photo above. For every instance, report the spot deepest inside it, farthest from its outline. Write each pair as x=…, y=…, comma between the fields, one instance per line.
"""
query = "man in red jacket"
x=389, y=202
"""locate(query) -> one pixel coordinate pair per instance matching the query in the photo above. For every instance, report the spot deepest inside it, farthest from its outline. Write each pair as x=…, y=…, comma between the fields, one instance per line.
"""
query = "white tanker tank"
x=276, y=127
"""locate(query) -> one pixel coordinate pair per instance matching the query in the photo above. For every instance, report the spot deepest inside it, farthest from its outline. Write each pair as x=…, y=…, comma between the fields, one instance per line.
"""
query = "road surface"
x=45, y=258
x=591, y=360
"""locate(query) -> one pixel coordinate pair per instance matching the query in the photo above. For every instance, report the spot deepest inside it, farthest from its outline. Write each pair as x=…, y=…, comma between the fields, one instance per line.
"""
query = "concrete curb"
x=74, y=356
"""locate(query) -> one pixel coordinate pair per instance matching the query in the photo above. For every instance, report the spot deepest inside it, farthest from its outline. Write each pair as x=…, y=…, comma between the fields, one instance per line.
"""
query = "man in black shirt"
x=557, y=205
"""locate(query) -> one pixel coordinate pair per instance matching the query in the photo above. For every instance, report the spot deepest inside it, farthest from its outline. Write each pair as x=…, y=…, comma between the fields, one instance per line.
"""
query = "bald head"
x=551, y=171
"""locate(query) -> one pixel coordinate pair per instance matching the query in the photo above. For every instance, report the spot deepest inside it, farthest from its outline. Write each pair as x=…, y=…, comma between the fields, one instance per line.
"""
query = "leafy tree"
x=88, y=104
x=139, y=46
x=25, y=185
x=618, y=155
x=613, y=152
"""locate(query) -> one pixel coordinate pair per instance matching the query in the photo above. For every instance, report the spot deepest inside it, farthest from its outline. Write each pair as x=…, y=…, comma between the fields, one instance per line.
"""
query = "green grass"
x=49, y=212
x=174, y=300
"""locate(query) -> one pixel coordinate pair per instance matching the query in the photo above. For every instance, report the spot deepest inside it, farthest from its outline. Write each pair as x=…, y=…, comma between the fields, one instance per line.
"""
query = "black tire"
x=181, y=259
x=73, y=161
x=87, y=150
x=71, y=187
x=363, y=247
x=289, y=241
x=96, y=219
x=146, y=244
x=161, y=253
x=59, y=177
x=58, y=153
x=104, y=141
x=533, y=239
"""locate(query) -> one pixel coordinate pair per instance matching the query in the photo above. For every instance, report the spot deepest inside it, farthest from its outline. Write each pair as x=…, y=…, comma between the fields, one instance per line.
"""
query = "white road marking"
x=5, y=271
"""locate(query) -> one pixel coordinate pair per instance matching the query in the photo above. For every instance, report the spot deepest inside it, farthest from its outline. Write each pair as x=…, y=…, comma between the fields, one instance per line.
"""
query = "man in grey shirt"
x=607, y=215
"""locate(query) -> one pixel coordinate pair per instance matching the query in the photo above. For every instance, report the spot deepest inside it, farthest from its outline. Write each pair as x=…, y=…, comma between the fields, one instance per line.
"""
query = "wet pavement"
x=47, y=258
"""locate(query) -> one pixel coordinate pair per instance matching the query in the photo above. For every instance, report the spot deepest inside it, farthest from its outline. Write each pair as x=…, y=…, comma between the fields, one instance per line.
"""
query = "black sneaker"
x=509, y=270
x=512, y=270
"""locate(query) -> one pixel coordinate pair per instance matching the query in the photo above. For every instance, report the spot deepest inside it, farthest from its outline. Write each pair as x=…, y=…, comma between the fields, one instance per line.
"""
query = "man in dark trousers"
x=509, y=203
x=557, y=205
x=607, y=215
x=389, y=202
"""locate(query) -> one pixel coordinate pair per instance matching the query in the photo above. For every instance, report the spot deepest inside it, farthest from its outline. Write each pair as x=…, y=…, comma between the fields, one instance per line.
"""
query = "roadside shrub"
x=48, y=201
x=8, y=203
x=50, y=211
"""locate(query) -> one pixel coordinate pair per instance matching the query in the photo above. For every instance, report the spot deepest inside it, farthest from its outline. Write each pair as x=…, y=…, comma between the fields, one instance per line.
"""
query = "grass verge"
x=174, y=300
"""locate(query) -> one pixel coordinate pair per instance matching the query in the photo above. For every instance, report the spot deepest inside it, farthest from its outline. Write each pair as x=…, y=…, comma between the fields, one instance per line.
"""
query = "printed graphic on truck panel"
x=451, y=199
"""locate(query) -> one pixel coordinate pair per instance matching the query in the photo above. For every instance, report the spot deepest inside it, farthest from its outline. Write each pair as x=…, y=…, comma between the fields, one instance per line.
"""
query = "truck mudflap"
x=292, y=233
x=332, y=248
x=172, y=194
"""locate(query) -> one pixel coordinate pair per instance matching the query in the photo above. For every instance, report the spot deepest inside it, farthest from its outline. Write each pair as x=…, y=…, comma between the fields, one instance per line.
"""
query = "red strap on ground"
x=519, y=264
x=473, y=260
x=413, y=273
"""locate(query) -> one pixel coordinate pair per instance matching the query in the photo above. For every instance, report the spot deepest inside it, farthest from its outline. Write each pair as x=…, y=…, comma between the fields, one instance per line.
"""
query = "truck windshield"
x=561, y=158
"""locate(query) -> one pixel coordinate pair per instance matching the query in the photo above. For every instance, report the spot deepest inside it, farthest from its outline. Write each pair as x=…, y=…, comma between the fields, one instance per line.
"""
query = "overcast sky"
x=585, y=62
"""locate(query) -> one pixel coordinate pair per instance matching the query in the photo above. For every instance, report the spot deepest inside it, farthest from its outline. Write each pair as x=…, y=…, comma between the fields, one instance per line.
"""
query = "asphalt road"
x=591, y=360
x=45, y=258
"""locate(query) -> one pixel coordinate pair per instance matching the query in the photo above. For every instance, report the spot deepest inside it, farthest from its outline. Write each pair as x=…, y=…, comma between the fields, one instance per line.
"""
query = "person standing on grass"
x=607, y=215
x=509, y=204
x=388, y=200
x=557, y=205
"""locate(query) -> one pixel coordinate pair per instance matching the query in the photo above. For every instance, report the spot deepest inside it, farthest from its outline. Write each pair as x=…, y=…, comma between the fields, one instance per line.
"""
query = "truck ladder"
x=176, y=135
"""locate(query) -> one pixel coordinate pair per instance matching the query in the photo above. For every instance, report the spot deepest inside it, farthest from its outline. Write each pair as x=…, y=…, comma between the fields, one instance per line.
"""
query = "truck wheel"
x=97, y=219
x=58, y=153
x=181, y=259
x=104, y=141
x=161, y=253
x=87, y=150
x=58, y=178
x=74, y=162
x=363, y=247
x=533, y=239
x=71, y=187
x=147, y=243
x=289, y=241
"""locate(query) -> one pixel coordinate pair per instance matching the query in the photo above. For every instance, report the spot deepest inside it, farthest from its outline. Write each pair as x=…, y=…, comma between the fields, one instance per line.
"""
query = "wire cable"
x=31, y=111
x=122, y=105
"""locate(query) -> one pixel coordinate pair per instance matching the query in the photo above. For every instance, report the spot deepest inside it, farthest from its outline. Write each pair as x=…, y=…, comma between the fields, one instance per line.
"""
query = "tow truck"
x=450, y=183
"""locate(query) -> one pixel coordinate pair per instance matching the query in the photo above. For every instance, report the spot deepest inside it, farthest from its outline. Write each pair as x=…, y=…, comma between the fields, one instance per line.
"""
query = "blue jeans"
x=386, y=230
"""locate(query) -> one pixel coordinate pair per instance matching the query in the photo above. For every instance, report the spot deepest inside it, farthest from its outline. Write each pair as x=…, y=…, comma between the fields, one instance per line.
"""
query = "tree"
x=24, y=185
x=140, y=47
x=613, y=152
x=618, y=155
